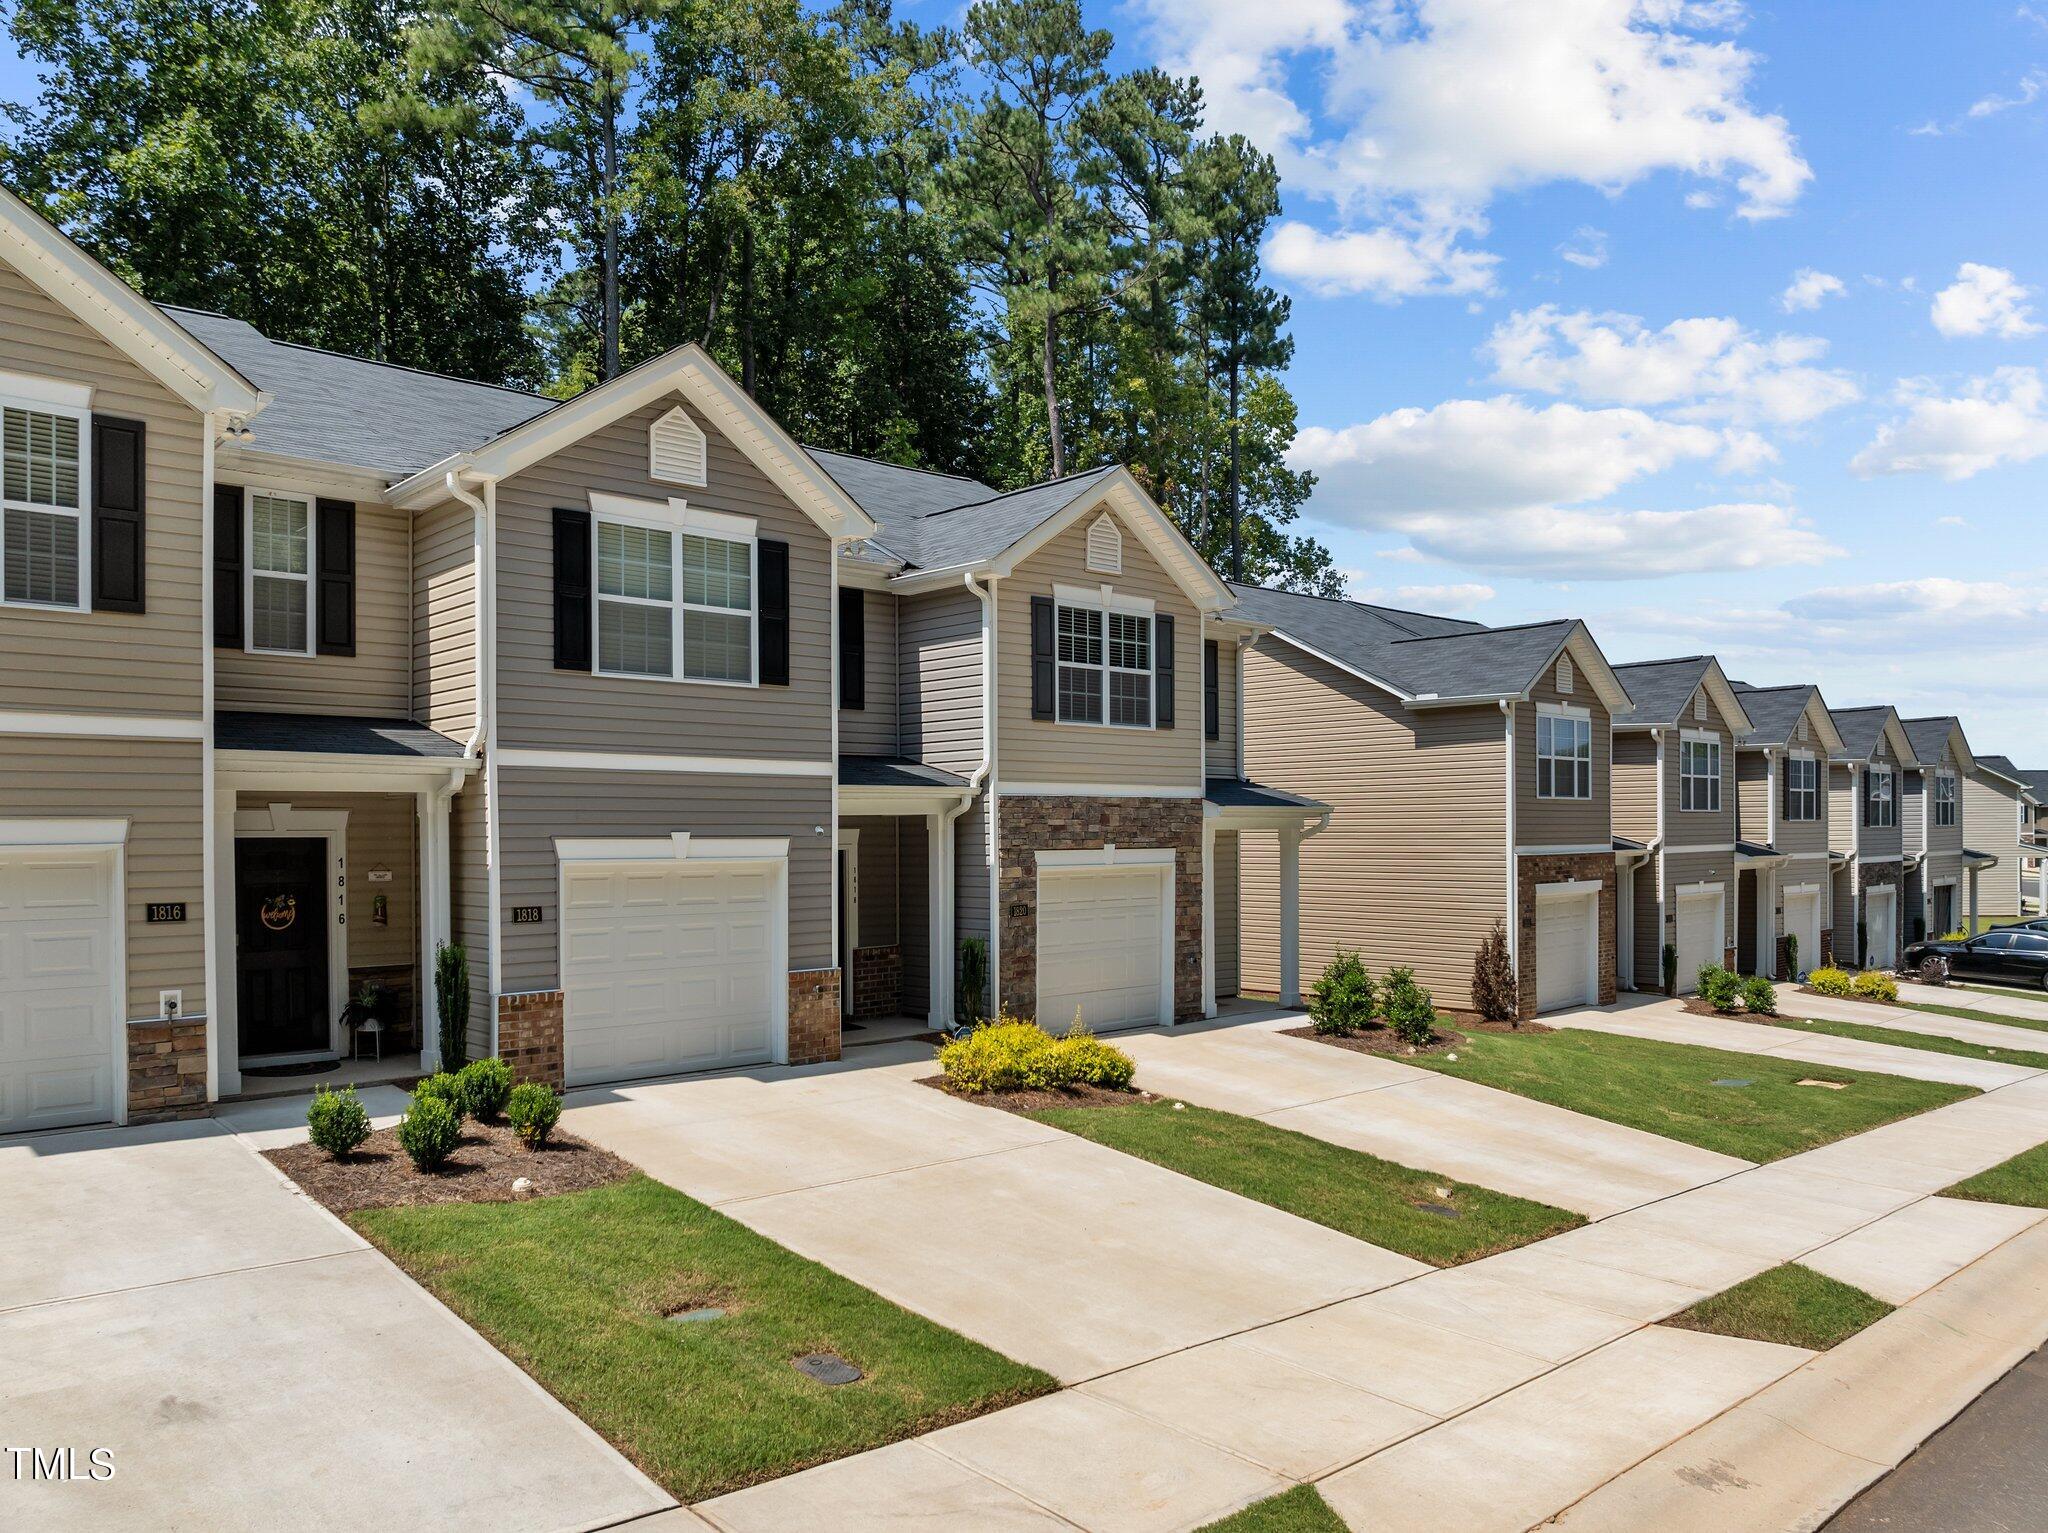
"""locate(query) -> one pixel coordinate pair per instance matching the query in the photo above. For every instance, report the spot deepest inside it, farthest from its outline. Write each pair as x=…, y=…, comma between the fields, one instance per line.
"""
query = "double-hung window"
x=675, y=593
x=280, y=545
x=44, y=531
x=1944, y=798
x=1802, y=788
x=1699, y=773
x=1104, y=656
x=1880, y=809
x=1564, y=755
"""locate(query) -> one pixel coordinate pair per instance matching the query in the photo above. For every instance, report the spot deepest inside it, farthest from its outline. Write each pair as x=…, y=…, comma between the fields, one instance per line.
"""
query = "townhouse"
x=1784, y=879
x=1864, y=794
x=1937, y=863
x=2000, y=801
x=1467, y=773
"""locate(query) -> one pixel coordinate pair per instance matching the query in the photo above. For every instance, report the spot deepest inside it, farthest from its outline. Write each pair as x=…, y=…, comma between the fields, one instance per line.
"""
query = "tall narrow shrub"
x=1494, y=991
x=451, y=1002
x=972, y=1006
x=1791, y=955
x=1343, y=999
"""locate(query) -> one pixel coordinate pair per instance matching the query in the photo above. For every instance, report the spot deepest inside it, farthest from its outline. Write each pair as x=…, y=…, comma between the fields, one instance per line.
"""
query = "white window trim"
x=1105, y=599
x=1953, y=801
x=1890, y=799
x=1699, y=737
x=48, y=396
x=1582, y=715
x=250, y=572
x=679, y=519
x=1813, y=761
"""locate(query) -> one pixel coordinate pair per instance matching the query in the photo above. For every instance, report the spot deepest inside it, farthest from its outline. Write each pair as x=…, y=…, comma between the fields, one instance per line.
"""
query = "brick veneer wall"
x=530, y=1035
x=877, y=981
x=1028, y=825
x=813, y=1016
x=1531, y=871
x=166, y=1071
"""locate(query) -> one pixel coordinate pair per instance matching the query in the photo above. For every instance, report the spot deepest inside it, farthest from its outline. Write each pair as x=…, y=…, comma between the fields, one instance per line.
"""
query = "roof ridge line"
x=907, y=468
x=349, y=356
x=1043, y=484
x=1483, y=630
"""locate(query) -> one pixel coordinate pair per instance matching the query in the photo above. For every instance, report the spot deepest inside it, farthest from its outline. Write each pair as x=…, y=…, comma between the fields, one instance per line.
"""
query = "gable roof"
x=1862, y=728
x=1663, y=689
x=1774, y=714
x=2032, y=784
x=1929, y=736
x=1426, y=660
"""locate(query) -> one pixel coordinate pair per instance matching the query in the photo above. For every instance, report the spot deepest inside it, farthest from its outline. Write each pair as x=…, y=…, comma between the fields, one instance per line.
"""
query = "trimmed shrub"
x=1495, y=995
x=533, y=1110
x=1954, y=936
x=970, y=1008
x=1409, y=1010
x=1719, y=988
x=1792, y=955
x=451, y=1002
x=335, y=1121
x=1759, y=996
x=445, y=1087
x=1013, y=1055
x=1670, y=969
x=1830, y=980
x=1081, y=1060
x=484, y=1084
x=1875, y=985
x=1343, y=998
x=429, y=1131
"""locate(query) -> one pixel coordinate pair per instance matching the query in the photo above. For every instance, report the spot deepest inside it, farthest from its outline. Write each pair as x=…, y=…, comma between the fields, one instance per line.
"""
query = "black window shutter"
x=227, y=566
x=1212, y=694
x=1042, y=667
x=117, y=532
x=336, y=550
x=572, y=589
x=774, y=630
x=853, y=648
x=1162, y=671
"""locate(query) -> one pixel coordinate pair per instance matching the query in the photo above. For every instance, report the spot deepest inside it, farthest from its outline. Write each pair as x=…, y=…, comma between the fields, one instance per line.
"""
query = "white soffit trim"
x=1096, y=790
x=1110, y=856
x=635, y=761
x=1153, y=526
x=28, y=389
x=31, y=835
x=674, y=512
x=680, y=846
x=1592, y=665
x=1571, y=888
x=1563, y=711
x=236, y=464
x=1732, y=712
x=1105, y=596
x=101, y=726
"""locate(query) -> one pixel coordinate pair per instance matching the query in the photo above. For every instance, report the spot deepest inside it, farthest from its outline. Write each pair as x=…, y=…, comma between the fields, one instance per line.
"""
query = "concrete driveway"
x=248, y=1362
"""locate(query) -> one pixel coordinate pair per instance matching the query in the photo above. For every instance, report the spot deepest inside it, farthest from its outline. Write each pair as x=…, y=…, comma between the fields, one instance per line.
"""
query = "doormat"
x=305, y=1067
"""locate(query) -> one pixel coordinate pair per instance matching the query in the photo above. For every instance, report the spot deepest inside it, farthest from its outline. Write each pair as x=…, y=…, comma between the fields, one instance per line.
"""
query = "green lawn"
x=574, y=1289
x=1347, y=1190
x=1905, y=1040
x=1300, y=1510
x=2021, y=1181
x=1792, y=1305
x=2038, y=1024
x=1667, y=1088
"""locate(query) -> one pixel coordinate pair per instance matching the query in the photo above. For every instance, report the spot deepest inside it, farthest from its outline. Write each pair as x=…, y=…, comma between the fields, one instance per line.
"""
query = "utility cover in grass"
x=1792, y=1305
x=2021, y=1182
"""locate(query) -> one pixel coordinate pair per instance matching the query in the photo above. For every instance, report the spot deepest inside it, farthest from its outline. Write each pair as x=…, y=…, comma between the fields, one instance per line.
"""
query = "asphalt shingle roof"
x=1929, y=737
x=1661, y=688
x=1229, y=793
x=331, y=734
x=1774, y=711
x=1860, y=729
x=893, y=772
x=2036, y=781
x=934, y=521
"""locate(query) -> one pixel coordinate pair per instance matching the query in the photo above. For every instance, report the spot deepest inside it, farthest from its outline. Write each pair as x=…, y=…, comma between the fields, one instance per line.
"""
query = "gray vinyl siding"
x=1222, y=751
x=1879, y=842
x=1806, y=838
x=541, y=804
x=539, y=706
x=913, y=917
x=879, y=884
x=376, y=681
x=1991, y=824
x=444, y=620
x=871, y=730
x=156, y=786
x=1635, y=785
x=938, y=709
x=1556, y=821
x=1682, y=868
x=1223, y=901
x=112, y=662
x=1042, y=751
x=970, y=871
x=1413, y=866
x=1698, y=827
x=469, y=891
x=1649, y=938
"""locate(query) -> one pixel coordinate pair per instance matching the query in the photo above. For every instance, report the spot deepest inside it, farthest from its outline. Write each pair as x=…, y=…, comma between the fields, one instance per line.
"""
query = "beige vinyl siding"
x=1753, y=796
x=1222, y=751
x=542, y=804
x=375, y=682
x=444, y=620
x=469, y=888
x=1555, y=821
x=1635, y=785
x=871, y=730
x=156, y=786
x=1844, y=808
x=539, y=706
x=1806, y=837
x=1683, y=868
x=938, y=709
x=970, y=871
x=1223, y=898
x=913, y=917
x=1991, y=823
x=1042, y=751
x=1879, y=842
x=1698, y=827
x=1412, y=869
x=878, y=862
x=112, y=662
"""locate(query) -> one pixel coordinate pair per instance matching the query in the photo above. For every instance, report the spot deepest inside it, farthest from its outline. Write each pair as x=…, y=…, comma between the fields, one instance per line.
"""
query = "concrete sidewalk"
x=1969, y=999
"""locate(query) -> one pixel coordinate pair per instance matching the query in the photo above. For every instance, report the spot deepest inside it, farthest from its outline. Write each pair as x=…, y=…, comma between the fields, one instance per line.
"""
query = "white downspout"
x=1507, y=709
x=483, y=554
x=1658, y=736
x=210, y=906
x=982, y=776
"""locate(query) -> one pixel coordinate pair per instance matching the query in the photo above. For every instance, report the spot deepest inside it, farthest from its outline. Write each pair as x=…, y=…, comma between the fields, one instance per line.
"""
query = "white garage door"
x=1878, y=929
x=1566, y=932
x=668, y=967
x=1802, y=920
x=1100, y=948
x=56, y=993
x=1700, y=937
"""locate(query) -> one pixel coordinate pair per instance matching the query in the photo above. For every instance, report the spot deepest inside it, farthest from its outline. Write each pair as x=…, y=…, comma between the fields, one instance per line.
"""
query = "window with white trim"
x=1880, y=806
x=1699, y=774
x=1104, y=658
x=673, y=601
x=42, y=514
x=1944, y=798
x=1802, y=788
x=1564, y=755
x=280, y=573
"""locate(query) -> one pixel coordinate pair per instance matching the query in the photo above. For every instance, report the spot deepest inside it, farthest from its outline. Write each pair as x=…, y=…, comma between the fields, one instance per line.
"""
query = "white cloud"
x=1461, y=597
x=1983, y=300
x=1711, y=368
x=1383, y=262
x=1996, y=420
x=1587, y=248
x=1809, y=290
x=1951, y=521
x=2026, y=93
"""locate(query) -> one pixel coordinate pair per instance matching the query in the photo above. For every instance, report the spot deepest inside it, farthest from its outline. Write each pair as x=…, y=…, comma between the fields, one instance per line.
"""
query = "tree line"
x=978, y=248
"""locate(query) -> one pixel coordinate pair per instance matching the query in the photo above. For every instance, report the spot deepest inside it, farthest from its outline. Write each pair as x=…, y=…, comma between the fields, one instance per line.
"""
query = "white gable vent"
x=1564, y=675
x=1802, y=726
x=1105, y=546
x=1699, y=706
x=675, y=449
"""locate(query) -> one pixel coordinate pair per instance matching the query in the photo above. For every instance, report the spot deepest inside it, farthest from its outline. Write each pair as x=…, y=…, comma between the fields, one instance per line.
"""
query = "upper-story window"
x=675, y=596
x=1802, y=788
x=1944, y=798
x=1564, y=754
x=280, y=540
x=46, y=532
x=1105, y=665
x=1699, y=772
x=1880, y=808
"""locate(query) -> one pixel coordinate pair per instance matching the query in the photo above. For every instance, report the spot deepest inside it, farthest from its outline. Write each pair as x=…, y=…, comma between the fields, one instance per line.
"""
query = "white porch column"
x=436, y=917
x=938, y=856
x=224, y=1038
x=1973, y=902
x=2041, y=884
x=1290, y=916
x=1208, y=918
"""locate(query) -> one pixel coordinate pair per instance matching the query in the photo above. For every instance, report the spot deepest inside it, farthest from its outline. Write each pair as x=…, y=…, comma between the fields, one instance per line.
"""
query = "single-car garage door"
x=57, y=959
x=1701, y=939
x=1567, y=942
x=668, y=967
x=1101, y=948
x=1802, y=920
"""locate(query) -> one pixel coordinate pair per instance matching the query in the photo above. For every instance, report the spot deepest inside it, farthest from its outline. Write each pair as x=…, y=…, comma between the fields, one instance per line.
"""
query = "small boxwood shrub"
x=1081, y=1060
x=445, y=1088
x=1792, y=955
x=533, y=1109
x=1719, y=988
x=1830, y=980
x=429, y=1131
x=335, y=1121
x=485, y=1085
x=1343, y=999
x=1875, y=985
x=1759, y=996
x=1409, y=1010
x=1014, y=1055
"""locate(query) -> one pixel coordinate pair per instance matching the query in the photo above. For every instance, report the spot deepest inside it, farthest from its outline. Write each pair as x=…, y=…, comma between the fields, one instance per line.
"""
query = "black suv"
x=2011, y=955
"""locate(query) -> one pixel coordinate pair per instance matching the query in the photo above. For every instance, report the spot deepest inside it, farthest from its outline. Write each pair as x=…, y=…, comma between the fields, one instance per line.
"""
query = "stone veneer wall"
x=1028, y=825
x=166, y=1071
x=1531, y=871
x=530, y=1035
x=1880, y=875
x=877, y=981
x=813, y=1016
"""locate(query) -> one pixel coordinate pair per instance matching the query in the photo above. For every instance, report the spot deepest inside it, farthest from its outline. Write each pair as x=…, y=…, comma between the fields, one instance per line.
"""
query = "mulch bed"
x=1039, y=1101
x=1693, y=1006
x=1867, y=1000
x=485, y=1164
x=1384, y=1041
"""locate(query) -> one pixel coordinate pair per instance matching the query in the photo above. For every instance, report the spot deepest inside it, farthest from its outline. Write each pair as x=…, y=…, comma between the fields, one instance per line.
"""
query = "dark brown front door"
x=281, y=945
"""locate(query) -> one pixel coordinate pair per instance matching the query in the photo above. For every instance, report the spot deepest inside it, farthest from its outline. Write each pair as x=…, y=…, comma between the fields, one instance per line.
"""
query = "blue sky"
x=1554, y=350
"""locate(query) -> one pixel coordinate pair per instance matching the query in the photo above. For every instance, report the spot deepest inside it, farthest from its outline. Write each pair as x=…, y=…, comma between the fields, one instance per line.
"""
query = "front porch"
x=1230, y=809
